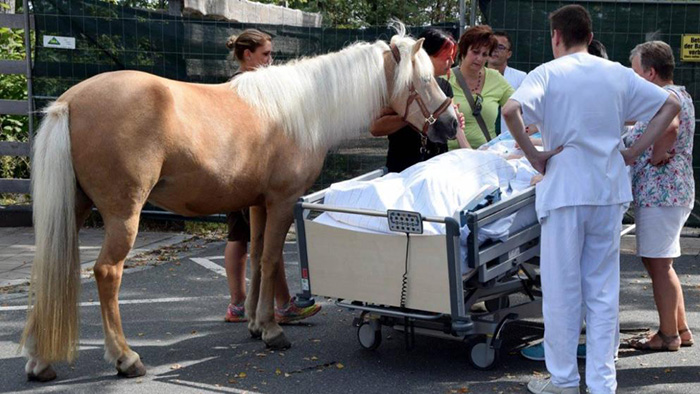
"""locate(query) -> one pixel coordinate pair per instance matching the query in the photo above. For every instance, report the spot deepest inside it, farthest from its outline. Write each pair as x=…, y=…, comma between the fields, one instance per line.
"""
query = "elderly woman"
x=487, y=86
x=664, y=192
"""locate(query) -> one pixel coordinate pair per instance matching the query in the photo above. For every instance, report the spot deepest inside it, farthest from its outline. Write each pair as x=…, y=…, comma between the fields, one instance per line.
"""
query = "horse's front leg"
x=119, y=238
x=258, y=217
x=279, y=218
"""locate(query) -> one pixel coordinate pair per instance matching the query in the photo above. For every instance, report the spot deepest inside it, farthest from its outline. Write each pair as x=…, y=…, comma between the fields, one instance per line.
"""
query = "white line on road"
x=208, y=387
x=125, y=302
x=210, y=265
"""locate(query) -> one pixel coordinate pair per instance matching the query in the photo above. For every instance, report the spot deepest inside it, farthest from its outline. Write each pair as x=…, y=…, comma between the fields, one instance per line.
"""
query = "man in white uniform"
x=499, y=61
x=580, y=103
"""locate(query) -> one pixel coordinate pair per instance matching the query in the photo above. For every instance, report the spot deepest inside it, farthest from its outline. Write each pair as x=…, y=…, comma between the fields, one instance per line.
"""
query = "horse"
x=121, y=139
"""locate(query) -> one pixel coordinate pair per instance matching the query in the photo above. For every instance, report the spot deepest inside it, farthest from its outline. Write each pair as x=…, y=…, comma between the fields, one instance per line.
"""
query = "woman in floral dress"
x=664, y=192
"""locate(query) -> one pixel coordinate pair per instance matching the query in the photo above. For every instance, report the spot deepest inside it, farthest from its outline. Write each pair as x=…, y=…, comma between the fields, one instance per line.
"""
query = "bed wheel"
x=497, y=304
x=369, y=334
x=481, y=355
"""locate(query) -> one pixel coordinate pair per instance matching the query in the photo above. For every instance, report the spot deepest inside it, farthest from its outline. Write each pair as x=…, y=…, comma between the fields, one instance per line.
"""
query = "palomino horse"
x=120, y=139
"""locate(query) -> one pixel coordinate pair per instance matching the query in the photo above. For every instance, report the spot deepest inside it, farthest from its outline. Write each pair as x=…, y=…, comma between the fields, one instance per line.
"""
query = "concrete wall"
x=245, y=11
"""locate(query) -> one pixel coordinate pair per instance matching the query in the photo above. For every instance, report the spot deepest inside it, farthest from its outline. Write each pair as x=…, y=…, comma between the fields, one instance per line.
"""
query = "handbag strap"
x=470, y=100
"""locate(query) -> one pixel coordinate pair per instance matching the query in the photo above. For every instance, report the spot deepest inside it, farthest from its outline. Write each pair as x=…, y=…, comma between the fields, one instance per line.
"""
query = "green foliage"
x=205, y=229
x=148, y=4
x=364, y=13
x=13, y=87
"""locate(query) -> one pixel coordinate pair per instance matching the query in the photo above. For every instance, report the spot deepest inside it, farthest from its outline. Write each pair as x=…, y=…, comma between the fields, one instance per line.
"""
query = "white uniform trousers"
x=580, y=267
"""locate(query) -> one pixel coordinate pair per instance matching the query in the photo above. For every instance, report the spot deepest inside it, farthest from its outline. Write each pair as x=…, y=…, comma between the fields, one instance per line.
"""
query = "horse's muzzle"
x=444, y=128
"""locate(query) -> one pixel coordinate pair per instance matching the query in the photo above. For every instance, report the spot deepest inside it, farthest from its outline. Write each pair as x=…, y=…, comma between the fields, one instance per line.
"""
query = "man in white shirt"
x=580, y=102
x=499, y=61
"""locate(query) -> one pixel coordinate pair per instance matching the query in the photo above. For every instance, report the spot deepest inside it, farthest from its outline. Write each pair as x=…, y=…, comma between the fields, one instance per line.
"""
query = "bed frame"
x=414, y=283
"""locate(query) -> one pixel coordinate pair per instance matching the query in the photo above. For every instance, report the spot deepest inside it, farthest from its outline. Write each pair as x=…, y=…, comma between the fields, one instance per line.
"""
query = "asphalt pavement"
x=172, y=312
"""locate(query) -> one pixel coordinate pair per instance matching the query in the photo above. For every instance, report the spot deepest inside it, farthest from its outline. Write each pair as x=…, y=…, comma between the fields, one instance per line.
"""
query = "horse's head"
x=415, y=94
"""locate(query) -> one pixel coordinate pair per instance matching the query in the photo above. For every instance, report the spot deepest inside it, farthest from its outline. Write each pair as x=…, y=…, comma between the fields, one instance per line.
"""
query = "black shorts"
x=238, y=225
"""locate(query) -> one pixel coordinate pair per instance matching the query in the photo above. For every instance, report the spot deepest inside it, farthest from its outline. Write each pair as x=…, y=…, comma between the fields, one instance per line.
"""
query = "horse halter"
x=413, y=95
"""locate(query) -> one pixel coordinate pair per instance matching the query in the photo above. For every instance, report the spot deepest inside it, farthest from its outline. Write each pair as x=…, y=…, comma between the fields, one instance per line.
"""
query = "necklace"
x=478, y=83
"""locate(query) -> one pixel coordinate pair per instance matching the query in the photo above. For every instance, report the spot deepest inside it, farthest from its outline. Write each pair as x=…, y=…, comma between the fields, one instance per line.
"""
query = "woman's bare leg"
x=667, y=291
x=235, y=257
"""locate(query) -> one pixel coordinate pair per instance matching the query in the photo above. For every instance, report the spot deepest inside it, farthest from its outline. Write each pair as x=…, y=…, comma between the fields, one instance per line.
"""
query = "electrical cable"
x=404, y=280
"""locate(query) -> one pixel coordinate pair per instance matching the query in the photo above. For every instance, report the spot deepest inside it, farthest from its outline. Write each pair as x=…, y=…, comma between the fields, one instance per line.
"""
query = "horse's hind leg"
x=120, y=234
x=257, y=228
x=83, y=205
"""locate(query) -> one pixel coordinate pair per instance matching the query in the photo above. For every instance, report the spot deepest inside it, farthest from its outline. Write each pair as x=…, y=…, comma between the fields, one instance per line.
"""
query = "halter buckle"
x=430, y=120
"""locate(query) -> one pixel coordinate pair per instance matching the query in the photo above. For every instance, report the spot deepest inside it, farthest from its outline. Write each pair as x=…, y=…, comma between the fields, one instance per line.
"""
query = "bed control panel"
x=405, y=221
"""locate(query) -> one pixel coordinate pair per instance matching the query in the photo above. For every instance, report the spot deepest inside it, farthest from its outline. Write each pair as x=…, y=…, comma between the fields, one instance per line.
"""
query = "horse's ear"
x=417, y=46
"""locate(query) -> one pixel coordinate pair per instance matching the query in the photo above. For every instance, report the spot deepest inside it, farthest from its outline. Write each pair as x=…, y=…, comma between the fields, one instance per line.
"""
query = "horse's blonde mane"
x=323, y=100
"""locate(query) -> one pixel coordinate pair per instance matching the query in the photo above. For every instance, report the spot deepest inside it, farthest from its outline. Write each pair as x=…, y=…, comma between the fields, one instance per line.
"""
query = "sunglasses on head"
x=477, y=105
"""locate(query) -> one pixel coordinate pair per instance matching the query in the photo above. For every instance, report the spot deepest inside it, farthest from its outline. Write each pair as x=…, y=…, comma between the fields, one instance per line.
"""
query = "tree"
x=364, y=13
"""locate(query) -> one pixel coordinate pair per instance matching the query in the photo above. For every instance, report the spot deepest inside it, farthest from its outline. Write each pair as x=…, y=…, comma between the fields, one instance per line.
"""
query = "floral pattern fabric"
x=671, y=184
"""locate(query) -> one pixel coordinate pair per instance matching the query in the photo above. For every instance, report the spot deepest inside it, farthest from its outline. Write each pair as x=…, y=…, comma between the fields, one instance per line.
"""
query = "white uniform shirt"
x=514, y=78
x=581, y=102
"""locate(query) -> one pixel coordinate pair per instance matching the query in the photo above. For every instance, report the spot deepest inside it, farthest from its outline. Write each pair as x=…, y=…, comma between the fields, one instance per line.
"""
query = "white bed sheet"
x=441, y=187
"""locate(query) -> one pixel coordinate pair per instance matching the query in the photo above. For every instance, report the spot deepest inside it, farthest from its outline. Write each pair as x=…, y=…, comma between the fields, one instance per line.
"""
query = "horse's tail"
x=52, y=323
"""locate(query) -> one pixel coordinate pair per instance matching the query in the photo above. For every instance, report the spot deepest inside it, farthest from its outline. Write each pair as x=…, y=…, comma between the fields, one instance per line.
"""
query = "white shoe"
x=546, y=386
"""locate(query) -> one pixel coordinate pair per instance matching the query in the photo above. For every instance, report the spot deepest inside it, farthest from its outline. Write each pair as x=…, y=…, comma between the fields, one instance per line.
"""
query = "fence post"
x=462, y=16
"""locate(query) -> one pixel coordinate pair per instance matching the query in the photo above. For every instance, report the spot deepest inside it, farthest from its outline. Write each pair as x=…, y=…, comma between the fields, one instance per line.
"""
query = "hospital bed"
x=424, y=283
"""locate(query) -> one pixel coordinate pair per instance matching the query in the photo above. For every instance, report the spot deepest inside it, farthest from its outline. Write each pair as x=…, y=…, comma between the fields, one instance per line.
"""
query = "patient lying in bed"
x=441, y=187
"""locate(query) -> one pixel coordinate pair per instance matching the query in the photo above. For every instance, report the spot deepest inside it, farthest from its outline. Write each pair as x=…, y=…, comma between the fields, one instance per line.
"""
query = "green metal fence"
x=112, y=37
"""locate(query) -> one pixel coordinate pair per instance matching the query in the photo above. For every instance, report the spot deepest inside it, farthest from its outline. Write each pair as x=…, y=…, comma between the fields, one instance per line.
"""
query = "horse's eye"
x=425, y=79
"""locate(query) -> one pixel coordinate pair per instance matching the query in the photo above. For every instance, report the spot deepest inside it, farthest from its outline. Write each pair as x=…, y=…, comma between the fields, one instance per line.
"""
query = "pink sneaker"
x=290, y=312
x=235, y=313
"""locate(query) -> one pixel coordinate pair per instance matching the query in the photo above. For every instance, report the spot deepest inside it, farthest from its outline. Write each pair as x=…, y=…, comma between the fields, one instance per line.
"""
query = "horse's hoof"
x=44, y=376
x=134, y=371
x=254, y=330
x=255, y=334
x=279, y=342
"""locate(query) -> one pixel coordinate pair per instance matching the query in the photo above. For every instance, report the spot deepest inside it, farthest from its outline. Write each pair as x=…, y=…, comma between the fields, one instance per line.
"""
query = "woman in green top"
x=487, y=86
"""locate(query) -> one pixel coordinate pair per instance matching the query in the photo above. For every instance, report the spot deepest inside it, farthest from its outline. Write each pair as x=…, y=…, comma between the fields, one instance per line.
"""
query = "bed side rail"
x=496, y=259
x=503, y=208
x=501, y=258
